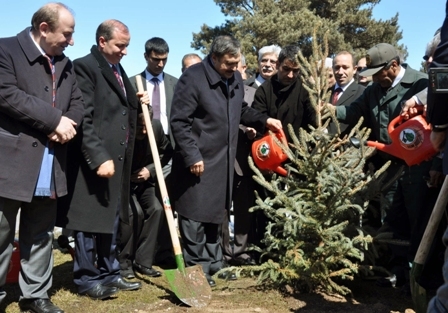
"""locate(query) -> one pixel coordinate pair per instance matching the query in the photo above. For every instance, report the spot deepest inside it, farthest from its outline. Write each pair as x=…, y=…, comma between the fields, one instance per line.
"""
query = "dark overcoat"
x=107, y=133
x=27, y=115
x=205, y=116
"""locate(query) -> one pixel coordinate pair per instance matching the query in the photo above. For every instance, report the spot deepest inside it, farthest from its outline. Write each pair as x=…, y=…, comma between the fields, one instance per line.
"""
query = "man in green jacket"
x=393, y=84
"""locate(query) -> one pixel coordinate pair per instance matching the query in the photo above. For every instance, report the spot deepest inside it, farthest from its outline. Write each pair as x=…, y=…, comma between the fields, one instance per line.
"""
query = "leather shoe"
x=100, y=292
x=123, y=284
x=128, y=273
x=247, y=261
x=148, y=271
x=210, y=280
x=38, y=306
x=227, y=275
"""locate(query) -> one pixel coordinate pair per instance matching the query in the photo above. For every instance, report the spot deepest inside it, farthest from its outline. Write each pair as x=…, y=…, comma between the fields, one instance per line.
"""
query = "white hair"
x=272, y=49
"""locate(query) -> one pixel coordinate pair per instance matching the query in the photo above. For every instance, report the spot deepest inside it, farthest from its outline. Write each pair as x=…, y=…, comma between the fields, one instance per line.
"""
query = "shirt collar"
x=149, y=76
x=399, y=77
x=336, y=86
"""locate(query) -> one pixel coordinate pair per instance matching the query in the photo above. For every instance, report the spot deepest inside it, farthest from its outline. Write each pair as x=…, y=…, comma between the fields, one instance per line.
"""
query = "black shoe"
x=227, y=275
x=38, y=306
x=210, y=280
x=123, y=284
x=148, y=271
x=128, y=274
x=100, y=292
x=247, y=261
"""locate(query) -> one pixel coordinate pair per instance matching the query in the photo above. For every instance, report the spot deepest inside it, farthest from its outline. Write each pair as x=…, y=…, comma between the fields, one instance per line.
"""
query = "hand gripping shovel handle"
x=161, y=181
x=433, y=223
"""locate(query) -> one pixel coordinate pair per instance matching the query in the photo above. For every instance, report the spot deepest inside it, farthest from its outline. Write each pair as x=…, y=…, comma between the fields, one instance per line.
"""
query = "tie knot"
x=155, y=80
x=339, y=89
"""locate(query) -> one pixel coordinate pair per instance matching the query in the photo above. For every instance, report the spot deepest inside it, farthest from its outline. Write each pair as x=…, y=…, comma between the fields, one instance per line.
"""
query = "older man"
x=393, y=83
x=205, y=116
x=100, y=164
x=267, y=65
x=346, y=90
x=40, y=107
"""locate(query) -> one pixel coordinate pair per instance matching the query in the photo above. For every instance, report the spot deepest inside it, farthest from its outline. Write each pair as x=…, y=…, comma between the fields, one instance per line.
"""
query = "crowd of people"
x=75, y=152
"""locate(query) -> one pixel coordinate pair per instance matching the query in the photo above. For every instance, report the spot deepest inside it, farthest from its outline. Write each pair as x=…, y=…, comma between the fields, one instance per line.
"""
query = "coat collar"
x=213, y=76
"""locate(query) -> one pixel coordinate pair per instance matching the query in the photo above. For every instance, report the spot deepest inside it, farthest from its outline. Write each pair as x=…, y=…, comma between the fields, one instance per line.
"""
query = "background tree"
x=257, y=23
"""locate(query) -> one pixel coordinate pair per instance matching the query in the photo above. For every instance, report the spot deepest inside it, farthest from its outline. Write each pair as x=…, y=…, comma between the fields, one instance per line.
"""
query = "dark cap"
x=378, y=57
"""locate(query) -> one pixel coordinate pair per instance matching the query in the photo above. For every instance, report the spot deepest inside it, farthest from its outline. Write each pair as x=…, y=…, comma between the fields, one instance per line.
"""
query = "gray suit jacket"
x=169, y=82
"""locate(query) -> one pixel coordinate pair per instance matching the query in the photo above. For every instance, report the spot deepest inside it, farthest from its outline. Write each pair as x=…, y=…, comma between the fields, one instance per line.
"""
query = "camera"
x=438, y=79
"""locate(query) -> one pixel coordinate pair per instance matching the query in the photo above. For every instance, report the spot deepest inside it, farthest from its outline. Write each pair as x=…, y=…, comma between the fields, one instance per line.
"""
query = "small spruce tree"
x=315, y=235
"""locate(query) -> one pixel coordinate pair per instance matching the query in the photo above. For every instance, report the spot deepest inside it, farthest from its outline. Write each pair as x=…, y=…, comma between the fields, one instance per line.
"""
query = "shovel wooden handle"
x=433, y=224
x=160, y=179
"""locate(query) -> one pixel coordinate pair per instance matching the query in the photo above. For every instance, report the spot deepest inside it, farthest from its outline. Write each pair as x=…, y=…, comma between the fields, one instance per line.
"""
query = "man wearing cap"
x=379, y=104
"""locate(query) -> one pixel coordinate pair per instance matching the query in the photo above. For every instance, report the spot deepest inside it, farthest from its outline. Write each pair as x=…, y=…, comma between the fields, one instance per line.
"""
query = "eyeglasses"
x=426, y=58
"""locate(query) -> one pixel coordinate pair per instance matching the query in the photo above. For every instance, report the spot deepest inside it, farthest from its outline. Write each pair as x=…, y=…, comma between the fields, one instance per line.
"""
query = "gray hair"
x=223, y=45
x=189, y=56
x=272, y=49
x=432, y=45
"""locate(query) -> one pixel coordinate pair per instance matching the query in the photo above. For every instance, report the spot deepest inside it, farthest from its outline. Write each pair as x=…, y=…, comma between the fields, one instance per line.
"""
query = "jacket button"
x=124, y=112
x=120, y=158
x=122, y=143
x=47, y=88
x=123, y=127
x=34, y=144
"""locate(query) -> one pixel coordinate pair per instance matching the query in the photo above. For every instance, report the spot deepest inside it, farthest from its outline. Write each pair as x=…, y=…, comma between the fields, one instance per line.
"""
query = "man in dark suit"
x=40, y=107
x=160, y=85
x=138, y=240
x=346, y=90
x=206, y=112
x=100, y=164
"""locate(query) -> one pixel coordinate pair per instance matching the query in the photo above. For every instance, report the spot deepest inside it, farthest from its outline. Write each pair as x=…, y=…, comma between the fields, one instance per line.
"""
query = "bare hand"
x=144, y=97
x=274, y=124
x=65, y=130
x=197, y=168
x=410, y=109
x=436, y=179
x=107, y=169
x=438, y=140
x=141, y=175
x=251, y=133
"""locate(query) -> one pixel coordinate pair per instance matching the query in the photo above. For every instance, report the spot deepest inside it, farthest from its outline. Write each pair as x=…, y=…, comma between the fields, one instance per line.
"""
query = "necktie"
x=155, y=102
x=117, y=75
x=53, y=76
x=334, y=98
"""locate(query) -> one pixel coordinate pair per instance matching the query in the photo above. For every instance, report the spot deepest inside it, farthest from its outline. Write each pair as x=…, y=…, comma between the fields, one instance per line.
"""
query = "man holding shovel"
x=206, y=112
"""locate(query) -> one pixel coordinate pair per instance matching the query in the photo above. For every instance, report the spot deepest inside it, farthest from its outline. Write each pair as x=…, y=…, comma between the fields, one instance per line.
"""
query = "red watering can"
x=268, y=155
x=410, y=140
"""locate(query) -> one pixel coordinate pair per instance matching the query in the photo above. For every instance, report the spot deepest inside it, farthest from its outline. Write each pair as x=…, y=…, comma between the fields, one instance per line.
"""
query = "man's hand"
x=273, y=124
x=438, y=140
x=144, y=97
x=197, y=168
x=410, y=109
x=141, y=175
x=251, y=133
x=65, y=130
x=436, y=179
x=107, y=169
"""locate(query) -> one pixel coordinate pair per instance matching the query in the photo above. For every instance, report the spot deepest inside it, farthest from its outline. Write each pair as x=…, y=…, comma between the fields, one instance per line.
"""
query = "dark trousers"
x=95, y=258
x=201, y=244
x=148, y=231
x=37, y=220
x=243, y=200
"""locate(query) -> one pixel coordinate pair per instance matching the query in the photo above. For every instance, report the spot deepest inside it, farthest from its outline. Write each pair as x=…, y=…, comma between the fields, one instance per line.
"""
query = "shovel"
x=188, y=284
x=417, y=291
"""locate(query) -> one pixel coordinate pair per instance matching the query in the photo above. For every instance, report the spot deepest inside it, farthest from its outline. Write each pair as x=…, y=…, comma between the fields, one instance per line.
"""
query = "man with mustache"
x=267, y=66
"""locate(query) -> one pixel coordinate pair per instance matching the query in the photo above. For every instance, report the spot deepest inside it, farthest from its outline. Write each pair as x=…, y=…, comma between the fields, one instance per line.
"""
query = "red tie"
x=334, y=98
x=117, y=75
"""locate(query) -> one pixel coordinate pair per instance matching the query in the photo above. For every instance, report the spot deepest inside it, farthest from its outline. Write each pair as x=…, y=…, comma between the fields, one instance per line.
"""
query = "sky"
x=177, y=20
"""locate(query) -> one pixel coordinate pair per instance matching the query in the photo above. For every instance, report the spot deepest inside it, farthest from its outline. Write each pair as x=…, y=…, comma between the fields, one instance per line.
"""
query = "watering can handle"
x=399, y=119
x=280, y=134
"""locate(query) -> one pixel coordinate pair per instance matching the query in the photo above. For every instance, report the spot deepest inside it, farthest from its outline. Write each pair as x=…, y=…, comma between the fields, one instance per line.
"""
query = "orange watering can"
x=410, y=140
x=268, y=155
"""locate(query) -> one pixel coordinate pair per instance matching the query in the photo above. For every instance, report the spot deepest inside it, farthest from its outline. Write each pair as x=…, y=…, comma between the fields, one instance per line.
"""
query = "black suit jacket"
x=350, y=94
